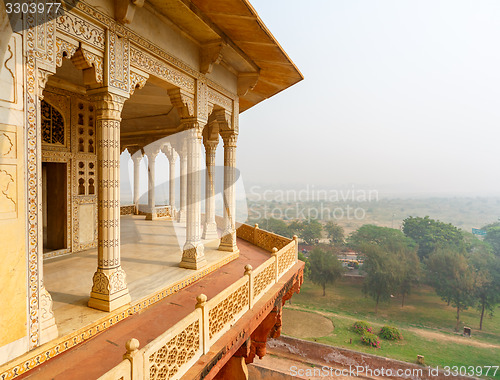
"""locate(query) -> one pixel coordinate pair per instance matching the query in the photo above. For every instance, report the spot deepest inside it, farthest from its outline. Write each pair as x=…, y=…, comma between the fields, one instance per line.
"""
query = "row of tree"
x=309, y=230
x=463, y=270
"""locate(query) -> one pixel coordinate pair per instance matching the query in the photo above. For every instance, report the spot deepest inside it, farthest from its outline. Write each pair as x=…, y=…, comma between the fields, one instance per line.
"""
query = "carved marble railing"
x=122, y=371
x=160, y=211
x=261, y=238
x=127, y=210
x=171, y=354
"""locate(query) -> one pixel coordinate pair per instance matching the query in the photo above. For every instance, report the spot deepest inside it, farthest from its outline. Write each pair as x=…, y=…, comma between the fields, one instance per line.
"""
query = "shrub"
x=361, y=327
x=370, y=340
x=390, y=333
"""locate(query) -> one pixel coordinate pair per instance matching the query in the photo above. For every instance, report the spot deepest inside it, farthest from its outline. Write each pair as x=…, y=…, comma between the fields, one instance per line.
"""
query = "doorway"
x=54, y=203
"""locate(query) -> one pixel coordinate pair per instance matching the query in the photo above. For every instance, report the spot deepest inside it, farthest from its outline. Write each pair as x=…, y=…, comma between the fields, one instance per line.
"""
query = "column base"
x=193, y=256
x=109, y=303
x=151, y=216
x=109, y=291
x=48, y=328
x=181, y=216
x=228, y=242
x=210, y=231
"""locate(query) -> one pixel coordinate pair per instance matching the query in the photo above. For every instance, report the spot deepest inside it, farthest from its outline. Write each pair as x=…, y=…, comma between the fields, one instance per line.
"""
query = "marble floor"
x=150, y=255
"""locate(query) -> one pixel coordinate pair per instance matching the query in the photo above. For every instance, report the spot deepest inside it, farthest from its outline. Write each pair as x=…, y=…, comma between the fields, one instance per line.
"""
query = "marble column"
x=136, y=158
x=109, y=289
x=171, y=154
x=171, y=182
x=228, y=239
x=151, y=213
x=183, y=182
x=210, y=226
x=193, y=256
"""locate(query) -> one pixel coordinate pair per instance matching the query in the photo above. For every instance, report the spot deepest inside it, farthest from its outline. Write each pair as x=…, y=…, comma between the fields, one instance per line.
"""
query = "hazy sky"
x=398, y=95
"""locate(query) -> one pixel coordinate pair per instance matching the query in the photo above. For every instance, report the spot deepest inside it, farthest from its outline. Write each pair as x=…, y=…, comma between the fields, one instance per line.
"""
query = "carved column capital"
x=152, y=153
x=109, y=103
x=137, y=157
x=230, y=138
x=210, y=145
x=191, y=128
x=170, y=152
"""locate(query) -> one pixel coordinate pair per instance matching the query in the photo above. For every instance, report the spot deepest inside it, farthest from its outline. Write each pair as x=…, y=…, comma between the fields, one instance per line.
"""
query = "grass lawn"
x=426, y=323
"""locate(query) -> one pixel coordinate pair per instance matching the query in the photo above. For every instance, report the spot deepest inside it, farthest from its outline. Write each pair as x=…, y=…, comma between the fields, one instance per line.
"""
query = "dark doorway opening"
x=54, y=203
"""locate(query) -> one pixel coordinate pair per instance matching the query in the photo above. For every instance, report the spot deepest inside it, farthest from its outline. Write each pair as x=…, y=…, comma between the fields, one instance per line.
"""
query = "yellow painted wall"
x=13, y=256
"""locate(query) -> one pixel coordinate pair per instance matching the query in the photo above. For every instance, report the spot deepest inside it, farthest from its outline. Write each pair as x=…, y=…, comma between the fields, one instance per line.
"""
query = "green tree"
x=453, y=278
x=410, y=272
x=307, y=267
x=295, y=228
x=325, y=268
x=335, y=233
x=311, y=231
x=493, y=237
x=432, y=234
x=383, y=273
x=487, y=282
x=401, y=254
x=388, y=238
x=277, y=226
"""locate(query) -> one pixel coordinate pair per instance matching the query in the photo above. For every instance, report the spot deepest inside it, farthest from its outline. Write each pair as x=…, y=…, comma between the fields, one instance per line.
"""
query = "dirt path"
x=425, y=333
x=301, y=324
x=429, y=334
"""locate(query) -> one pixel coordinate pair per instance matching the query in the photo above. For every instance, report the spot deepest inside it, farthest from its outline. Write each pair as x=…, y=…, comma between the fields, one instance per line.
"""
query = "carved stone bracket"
x=259, y=336
x=223, y=119
x=92, y=66
x=183, y=101
x=247, y=82
x=211, y=133
x=64, y=49
x=42, y=78
x=137, y=81
x=125, y=10
x=210, y=54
